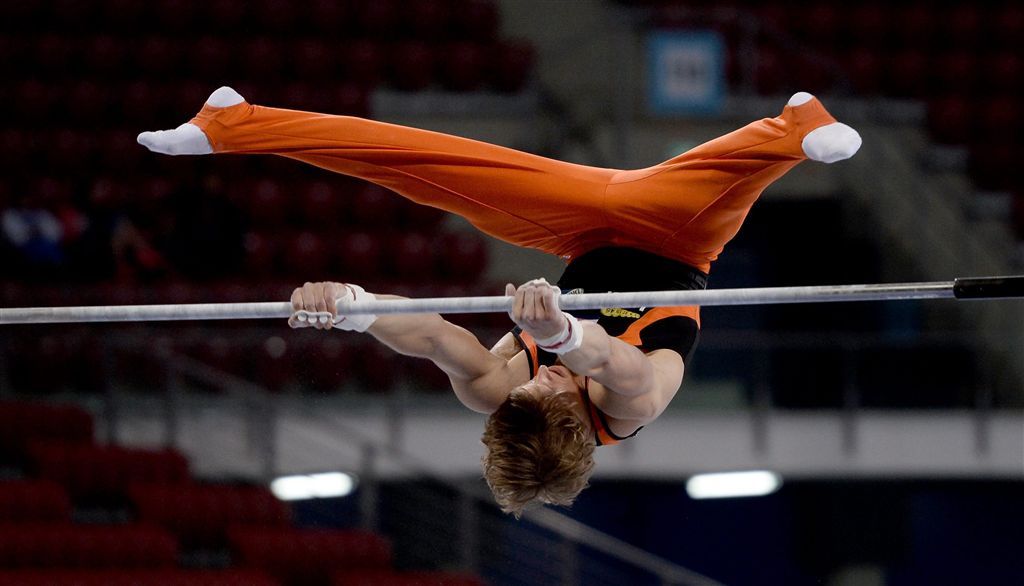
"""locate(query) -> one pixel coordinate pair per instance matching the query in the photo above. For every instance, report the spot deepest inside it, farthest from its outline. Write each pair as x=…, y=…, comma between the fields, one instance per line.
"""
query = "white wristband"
x=354, y=294
x=569, y=339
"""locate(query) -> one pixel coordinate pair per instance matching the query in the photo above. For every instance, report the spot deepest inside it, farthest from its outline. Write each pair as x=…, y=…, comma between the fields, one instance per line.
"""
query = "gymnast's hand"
x=318, y=303
x=535, y=308
x=316, y=298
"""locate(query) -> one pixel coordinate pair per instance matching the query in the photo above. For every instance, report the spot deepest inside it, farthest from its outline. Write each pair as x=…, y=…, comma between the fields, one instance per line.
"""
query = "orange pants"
x=685, y=209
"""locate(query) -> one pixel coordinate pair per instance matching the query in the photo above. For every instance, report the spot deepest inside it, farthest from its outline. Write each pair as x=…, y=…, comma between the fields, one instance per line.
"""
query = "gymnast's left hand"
x=535, y=308
x=316, y=297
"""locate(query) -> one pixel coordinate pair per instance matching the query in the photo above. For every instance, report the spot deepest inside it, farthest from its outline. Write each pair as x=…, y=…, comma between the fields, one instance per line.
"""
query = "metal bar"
x=1010, y=287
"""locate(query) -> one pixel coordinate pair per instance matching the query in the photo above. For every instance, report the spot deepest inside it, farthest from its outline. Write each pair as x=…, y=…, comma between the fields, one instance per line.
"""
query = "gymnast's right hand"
x=317, y=305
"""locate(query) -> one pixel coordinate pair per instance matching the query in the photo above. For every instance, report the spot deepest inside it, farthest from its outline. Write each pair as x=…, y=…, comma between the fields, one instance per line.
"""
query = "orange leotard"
x=685, y=209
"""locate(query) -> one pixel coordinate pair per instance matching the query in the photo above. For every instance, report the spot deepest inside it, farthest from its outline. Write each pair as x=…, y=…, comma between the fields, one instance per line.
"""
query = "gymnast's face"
x=551, y=380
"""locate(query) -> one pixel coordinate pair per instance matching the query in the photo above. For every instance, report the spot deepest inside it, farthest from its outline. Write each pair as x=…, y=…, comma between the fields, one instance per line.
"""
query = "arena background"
x=143, y=454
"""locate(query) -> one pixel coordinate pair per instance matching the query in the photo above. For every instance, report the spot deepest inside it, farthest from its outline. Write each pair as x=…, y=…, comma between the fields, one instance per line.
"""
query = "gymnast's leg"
x=689, y=207
x=521, y=198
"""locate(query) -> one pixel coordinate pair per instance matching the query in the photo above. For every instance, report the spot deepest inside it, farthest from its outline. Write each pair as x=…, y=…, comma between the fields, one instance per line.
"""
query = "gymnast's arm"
x=481, y=380
x=633, y=386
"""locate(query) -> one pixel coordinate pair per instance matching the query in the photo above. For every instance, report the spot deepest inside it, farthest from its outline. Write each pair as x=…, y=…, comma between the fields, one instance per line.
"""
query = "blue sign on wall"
x=686, y=73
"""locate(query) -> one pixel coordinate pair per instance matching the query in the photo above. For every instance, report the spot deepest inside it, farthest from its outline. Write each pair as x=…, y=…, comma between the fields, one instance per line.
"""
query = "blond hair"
x=538, y=449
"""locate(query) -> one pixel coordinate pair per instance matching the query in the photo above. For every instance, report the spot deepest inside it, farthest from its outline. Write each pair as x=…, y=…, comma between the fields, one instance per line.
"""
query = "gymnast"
x=558, y=384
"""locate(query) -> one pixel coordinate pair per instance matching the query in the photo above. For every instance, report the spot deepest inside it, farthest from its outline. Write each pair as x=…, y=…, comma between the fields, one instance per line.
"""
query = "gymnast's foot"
x=188, y=139
x=829, y=143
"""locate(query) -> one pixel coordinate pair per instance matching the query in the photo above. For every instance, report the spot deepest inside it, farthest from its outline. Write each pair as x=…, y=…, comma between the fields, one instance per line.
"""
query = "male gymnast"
x=559, y=384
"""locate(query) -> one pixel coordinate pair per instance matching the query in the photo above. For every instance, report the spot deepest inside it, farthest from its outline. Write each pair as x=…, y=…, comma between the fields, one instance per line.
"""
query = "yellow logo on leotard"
x=619, y=312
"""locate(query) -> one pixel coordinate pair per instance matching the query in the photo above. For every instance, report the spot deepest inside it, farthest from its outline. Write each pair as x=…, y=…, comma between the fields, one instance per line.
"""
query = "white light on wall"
x=313, y=486
x=733, y=484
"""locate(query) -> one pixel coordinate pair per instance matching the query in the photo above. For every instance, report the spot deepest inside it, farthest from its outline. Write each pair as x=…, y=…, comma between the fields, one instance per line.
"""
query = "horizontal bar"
x=715, y=297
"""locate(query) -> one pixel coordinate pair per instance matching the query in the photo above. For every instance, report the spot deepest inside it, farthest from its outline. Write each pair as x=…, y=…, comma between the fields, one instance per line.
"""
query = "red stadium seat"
x=376, y=367
x=993, y=165
x=158, y=56
x=820, y=23
x=51, y=53
x=42, y=545
x=265, y=201
x=199, y=515
x=273, y=363
x=141, y=103
x=427, y=20
x=962, y=25
x=870, y=24
x=87, y=104
x=306, y=255
x=378, y=18
x=412, y=256
x=462, y=66
x=951, y=119
x=276, y=15
x=1003, y=71
x=373, y=206
x=262, y=59
x=328, y=16
x=326, y=363
x=907, y=74
x=412, y=66
x=954, y=72
x=315, y=60
x=998, y=118
x=390, y=578
x=177, y=16
x=916, y=24
x=21, y=423
x=210, y=59
x=33, y=501
x=476, y=19
x=308, y=557
x=262, y=255
x=220, y=352
x=104, y=473
x=105, y=56
x=133, y=577
x=1006, y=25
x=349, y=99
x=364, y=62
x=359, y=255
x=225, y=15
x=463, y=256
x=34, y=101
x=321, y=205
x=511, y=65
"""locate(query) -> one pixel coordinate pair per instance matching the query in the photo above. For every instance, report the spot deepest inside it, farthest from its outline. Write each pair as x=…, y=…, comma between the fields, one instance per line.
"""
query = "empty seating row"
x=432, y=19
x=22, y=423
x=458, y=66
x=308, y=557
x=93, y=473
x=319, y=204
x=49, y=545
x=129, y=577
x=33, y=501
x=199, y=515
x=358, y=255
x=261, y=203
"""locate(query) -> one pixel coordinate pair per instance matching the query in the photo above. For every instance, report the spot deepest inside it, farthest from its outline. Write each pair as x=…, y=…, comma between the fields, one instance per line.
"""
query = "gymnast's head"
x=540, y=447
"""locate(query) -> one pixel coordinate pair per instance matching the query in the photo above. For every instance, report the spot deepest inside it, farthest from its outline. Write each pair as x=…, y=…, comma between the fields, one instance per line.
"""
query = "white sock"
x=831, y=143
x=799, y=98
x=188, y=139
x=224, y=97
